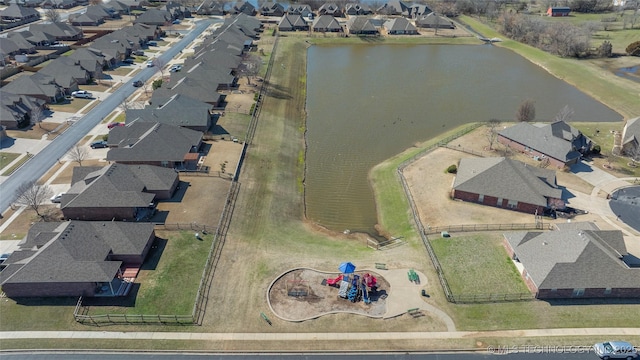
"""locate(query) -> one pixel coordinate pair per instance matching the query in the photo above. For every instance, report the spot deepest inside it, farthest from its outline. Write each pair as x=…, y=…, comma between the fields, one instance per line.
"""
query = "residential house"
x=154, y=144
x=631, y=138
x=58, y=4
x=418, y=10
x=326, y=23
x=577, y=261
x=17, y=110
x=244, y=8
x=144, y=32
x=114, y=47
x=177, y=110
x=197, y=87
x=177, y=10
x=61, y=31
x=210, y=57
x=15, y=15
x=558, y=11
x=432, y=21
x=303, y=10
x=154, y=17
x=293, y=23
x=117, y=192
x=210, y=7
x=559, y=142
x=361, y=25
x=29, y=40
x=131, y=4
x=395, y=7
x=330, y=9
x=91, y=60
x=76, y=258
x=67, y=73
x=272, y=9
x=39, y=86
x=121, y=7
x=248, y=25
x=24, y=3
x=105, y=12
x=507, y=184
x=85, y=19
x=8, y=49
x=353, y=9
x=400, y=26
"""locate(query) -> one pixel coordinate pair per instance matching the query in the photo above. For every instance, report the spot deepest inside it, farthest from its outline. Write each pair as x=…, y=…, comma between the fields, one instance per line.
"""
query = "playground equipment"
x=344, y=287
x=297, y=288
x=369, y=280
x=334, y=281
x=365, y=295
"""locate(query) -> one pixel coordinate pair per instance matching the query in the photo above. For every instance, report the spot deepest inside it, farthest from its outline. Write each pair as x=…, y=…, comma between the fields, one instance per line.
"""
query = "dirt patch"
x=318, y=299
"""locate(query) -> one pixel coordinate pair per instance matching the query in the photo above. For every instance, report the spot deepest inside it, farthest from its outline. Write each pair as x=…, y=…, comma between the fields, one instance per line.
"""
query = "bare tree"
x=36, y=116
x=78, y=154
x=159, y=65
x=526, y=111
x=565, y=114
x=33, y=195
x=125, y=104
x=492, y=131
x=53, y=15
x=250, y=67
x=634, y=154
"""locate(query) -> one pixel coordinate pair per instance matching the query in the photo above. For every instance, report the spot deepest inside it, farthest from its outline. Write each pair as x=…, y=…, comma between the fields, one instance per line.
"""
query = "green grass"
x=170, y=287
x=67, y=53
x=235, y=124
x=6, y=158
x=602, y=134
x=15, y=166
x=478, y=264
x=71, y=106
x=140, y=59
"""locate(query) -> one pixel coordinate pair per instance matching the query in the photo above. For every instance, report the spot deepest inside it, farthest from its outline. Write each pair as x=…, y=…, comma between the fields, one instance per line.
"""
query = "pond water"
x=368, y=103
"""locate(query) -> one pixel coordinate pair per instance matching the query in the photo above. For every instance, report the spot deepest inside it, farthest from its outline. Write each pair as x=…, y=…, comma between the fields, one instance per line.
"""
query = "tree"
x=34, y=195
x=605, y=49
x=249, y=67
x=78, y=154
x=492, y=131
x=633, y=49
x=565, y=114
x=36, y=116
x=53, y=15
x=156, y=84
x=634, y=154
x=159, y=65
x=125, y=104
x=526, y=111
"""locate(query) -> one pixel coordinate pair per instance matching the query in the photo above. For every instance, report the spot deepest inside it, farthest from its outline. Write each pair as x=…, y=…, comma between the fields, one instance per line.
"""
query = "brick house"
x=558, y=143
x=577, y=261
x=507, y=184
x=76, y=258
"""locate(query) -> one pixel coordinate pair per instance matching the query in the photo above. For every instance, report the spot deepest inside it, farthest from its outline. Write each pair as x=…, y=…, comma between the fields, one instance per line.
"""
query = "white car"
x=150, y=63
x=82, y=94
x=56, y=198
x=615, y=350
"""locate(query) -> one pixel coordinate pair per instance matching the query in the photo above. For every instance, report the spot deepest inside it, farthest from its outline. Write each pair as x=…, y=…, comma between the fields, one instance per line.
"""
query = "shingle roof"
x=292, y=21
x=145, y=142
x=399, y=24
x=326, y=22
x=508, y=179
x=433, y=20
x=360, y=24
x=631, y=131
x=59, y=30
x=65, y=71
x=178, y=110
x=17, y=11
x=154, y=16
x=36, y=84
x=76, y=251
x=574, y=259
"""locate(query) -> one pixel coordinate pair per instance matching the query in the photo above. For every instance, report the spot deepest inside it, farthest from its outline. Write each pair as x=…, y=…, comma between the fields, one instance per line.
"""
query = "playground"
x=303, y=293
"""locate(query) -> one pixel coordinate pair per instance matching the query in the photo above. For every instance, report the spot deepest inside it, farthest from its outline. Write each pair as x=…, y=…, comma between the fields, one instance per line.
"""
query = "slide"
x=344, y=286
x=365, y=295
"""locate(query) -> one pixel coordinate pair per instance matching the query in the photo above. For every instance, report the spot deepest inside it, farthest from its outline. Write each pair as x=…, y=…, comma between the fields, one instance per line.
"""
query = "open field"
x=477, y=264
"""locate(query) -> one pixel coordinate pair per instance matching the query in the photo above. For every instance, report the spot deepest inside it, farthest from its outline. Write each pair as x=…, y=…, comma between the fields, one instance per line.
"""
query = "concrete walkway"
x=364, y=336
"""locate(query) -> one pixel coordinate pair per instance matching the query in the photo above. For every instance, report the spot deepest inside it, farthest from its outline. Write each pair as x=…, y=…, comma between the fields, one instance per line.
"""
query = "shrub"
x=633, y=49
x=596, y=149
x=156, y=84
x=452, y=169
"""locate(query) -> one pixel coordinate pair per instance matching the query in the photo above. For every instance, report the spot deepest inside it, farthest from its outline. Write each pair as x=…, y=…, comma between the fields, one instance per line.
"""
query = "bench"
x=415, y=312
x=381, y=266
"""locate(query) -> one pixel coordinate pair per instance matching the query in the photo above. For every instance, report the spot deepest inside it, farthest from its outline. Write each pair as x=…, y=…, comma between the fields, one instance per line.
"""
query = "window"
x=578, y=292
x=499, y=202
x=512, y=204
x=607, y=291
x=481, y=198
x=554, y=290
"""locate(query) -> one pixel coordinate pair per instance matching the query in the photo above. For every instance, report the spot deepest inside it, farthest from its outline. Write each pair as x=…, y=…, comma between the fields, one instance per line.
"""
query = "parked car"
x=175, y=68
x=128, y=61
x=56, y=198
x=150, y=63
x=152, y=43
x=115, y=124
x=138, y=83
x=99, y=144
x=82, y=94
x=175, y=22
x=4, y=257
x=138, y=52
x=615, y=350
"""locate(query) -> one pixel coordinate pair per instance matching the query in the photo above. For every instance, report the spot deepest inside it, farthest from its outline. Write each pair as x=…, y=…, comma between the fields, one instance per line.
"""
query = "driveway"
x=592, y=175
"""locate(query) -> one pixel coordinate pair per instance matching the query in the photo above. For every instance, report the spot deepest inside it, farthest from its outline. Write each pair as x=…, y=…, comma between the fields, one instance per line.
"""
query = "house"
x=24, y=3
x=395, y=7
x=559, y=142
x=91, y=60
x=39, y=86
x=76, y=258
x=577, y=261
x=508, y=184
x=361, y=25
x=28, y=40
x=15, y=15
x=303, y=10
x=117, y=191
x=558, y=11
x=154, y=144
x=247, y=25
x=177, y=10
x=196, y=88
x=106, y=12
x=418, y=10
x=154, y=17
x=244, y=8
x=176, y=110
x=144, y=32
x=400, y=26
x=17, y=110
x=61, y=31
x=631, y=138
x=58, y=4
x=326, y=23
x=85, y=19
x=66, y=73
x=293, y=23
x=9, y=49
x=330, y=9
x=272, y=9
x=353, y=9
x=432, y=21
x=210, y=7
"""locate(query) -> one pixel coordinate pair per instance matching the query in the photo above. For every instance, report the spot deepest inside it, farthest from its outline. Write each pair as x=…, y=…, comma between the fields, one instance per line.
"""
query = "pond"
x=368, y=103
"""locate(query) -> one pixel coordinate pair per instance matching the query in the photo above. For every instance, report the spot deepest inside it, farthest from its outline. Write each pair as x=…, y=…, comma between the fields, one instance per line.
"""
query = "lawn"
x=6, y=158
x=232, y=124
x=478, y=264
x=603, y=134
x=121, y=71
x=35, y=131
x=168, y=280
x=15, y=166
x=72, y=106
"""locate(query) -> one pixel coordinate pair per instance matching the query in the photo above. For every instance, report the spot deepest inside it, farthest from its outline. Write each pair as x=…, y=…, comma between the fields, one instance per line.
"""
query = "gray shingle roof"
x=178, y=110
x=59, y=30
x=508, y=179
x=17, y=11
x=361, y=24
x=574, y=259
x=292, y=21
x=65, y=71
x=432, y=20
x=76, y=251
x=326, y=23
x=631, y=131
x=154, y=17
x=399, y=24
x=36, y=85
x=146, y=142
x=554, y=140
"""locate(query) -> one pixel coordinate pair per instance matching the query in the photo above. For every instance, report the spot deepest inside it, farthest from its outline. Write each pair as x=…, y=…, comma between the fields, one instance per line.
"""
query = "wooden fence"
x=485, y=227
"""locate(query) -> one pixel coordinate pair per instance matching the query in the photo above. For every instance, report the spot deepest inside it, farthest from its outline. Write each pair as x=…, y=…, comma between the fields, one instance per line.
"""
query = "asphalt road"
x=37, y=166
x=532, y=354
